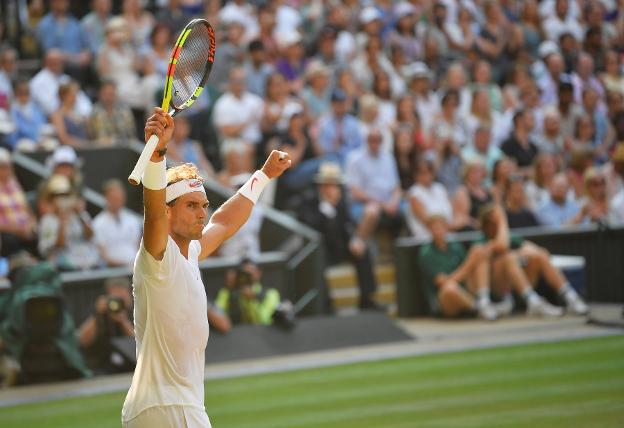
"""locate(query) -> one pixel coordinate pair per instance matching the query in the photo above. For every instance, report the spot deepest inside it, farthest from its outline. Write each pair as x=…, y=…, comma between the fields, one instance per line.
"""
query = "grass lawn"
x=566, y=384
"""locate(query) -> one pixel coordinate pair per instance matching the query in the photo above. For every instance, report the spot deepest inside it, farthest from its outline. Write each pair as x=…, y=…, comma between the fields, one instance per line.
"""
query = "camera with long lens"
x=114, y=305
x=243, y=278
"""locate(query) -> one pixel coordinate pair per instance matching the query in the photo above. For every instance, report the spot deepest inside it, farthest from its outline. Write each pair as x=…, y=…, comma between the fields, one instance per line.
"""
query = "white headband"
x=183, y=187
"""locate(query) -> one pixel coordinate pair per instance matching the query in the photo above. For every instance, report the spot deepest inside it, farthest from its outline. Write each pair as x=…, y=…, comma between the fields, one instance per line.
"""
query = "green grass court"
x=566, y=384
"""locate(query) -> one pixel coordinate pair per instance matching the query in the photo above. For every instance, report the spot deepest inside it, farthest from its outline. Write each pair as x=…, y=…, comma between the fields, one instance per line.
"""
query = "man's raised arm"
x=236, y=210
x=155, y=226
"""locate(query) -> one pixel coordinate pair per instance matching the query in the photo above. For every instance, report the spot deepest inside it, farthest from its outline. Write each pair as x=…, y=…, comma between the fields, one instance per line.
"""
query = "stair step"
x=345, y=276
x=344, y=297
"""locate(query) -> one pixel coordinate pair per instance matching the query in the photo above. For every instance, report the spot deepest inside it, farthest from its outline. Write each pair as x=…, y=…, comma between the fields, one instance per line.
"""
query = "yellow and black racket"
x=189, y=66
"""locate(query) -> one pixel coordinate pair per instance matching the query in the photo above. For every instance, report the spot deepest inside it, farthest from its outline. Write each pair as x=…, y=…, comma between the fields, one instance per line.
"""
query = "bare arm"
x=236, y=210
x=155, y=224
x=501, y=241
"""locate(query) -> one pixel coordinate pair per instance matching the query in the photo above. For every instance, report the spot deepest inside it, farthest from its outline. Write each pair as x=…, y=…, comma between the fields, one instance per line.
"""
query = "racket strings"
x=190, y=66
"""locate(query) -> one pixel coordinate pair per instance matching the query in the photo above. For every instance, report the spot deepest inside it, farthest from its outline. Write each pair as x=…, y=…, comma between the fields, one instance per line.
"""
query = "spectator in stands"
x=60, y=30
x=94, y=23
x=614, y=171
x=244, y=298
x=63, y=161
x=30, y=122
x=70, y=127
x=584, y=78
x=519, y=146
x=535, y=263
x=257, y=68
x=8, y=72
x=568, y=110
x=278, y=106
x=109, y=320
x=493, y=39
x=551, y=139
x=292, y=61
x=119, y=61
x=560, y=22
x=538, y=187
x=584, y=137
x=231, y=52
x=18, y=226
x=426, y=101
x=182, y=149
x=427, y=198
x=612, y=78
x=327, y=211
x=339, y=132
x=483, y=81
x=117, y=231
x=65, y=233
x=405, y=155
x=140, y=22
x=472, y=196
x=444, y=266
x=111, y=122
x=44, y=86
x=559, y=209
x=551, y=81
x=157, y=52
x=237, y=113
x=374, y=187
x=317, y=93
x=596, y=206
x=517, y=208
x=404, y=33
x=370, y=118
x=482, y=150
x=482, y=114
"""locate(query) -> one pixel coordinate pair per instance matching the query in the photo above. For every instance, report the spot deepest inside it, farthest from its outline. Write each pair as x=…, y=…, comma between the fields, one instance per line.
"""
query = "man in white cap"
x=171, y=326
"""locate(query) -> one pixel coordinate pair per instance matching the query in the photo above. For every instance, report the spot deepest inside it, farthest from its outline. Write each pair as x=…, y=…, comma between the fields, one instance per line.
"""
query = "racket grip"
x=137, y=173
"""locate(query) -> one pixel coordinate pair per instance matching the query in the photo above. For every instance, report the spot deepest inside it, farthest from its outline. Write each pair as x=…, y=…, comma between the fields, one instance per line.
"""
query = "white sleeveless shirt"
x=171, y=327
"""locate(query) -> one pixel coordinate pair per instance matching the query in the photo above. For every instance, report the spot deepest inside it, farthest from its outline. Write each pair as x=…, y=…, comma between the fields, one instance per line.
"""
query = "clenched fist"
x=276, y=164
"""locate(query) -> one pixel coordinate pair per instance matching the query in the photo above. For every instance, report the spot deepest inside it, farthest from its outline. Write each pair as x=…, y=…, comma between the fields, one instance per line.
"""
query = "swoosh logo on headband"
x=252, y=182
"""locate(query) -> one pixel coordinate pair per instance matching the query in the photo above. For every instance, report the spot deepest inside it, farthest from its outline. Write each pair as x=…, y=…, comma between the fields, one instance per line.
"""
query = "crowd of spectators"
x=427, y=107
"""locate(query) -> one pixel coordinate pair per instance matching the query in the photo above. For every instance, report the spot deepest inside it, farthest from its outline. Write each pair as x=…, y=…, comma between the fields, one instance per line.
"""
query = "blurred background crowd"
x=392, y=112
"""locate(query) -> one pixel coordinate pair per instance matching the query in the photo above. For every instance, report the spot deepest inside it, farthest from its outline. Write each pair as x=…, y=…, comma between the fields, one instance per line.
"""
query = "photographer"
x=65, y=233
x=244, y=299
x=109, y=320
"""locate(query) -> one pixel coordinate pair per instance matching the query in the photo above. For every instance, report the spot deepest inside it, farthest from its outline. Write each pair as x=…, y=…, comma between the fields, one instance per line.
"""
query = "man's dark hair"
x=255, y=46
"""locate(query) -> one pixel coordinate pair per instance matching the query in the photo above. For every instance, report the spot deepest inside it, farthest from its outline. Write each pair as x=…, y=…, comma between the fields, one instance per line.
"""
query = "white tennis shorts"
x=169, y=417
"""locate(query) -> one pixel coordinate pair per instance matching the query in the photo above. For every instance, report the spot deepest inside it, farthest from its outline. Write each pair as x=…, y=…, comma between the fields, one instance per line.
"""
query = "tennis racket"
x=189, y=66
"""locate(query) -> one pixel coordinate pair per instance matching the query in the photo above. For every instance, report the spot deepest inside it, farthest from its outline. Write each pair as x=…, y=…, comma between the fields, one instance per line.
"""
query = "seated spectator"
x=44, y=86
x=230, y=54
x=482, y=114
x=455, y=284
x=63, y=161
x=60, y=30
x=292, y=61
x=374, y=187
x=244, y=298
x=569, y=111
x=517, y=208
x=612, y=78
x=94, y=23
x=317, y=92
x=278, y=106
x=428, y=198
x=551, y=139
x=70, y=127
x=237, y=113
x=482, y=150
x=110, y=319
x=327, y=211
x=596, y=206
x=560, y=208
x=30, y=122
x=65, y=233
x=140, y=22
x=157, y=53
x=111, y=122
x=504, y=168
x=535, y=262
x=257, y=68
x=614, y=171
x=383, y=90
x=519, y=145
x=236, y=159
x=8, y=72
x=448, y=122
x=339, y=132
x=370, y=119
x=117, y=231
x=405, y=155
x=472, y=196
x=537, y=188
x=118, y=61
x=183, y=150
x=18, y=226
x=426, y=100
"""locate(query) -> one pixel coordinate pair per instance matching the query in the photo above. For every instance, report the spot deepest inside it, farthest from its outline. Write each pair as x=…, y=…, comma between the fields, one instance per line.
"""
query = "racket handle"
x=137, y=173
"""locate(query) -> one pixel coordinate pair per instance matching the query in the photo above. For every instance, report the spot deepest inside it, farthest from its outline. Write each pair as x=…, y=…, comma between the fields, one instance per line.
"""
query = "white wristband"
x=154, y=177
x=254, y=186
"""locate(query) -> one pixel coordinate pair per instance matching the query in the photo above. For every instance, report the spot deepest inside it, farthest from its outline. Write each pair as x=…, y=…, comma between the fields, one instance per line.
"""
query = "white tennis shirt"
x=171, y=327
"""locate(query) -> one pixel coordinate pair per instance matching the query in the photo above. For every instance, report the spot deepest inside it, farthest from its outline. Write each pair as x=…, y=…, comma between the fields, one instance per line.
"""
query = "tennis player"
x=170, y=312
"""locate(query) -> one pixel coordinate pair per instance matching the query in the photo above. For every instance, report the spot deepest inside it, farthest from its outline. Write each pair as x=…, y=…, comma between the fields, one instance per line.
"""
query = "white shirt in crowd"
x=171, y=327
x=248, y=110
x=44, y=91
x=118, y=236
x=435, y=200
x=377, y=176
x=246, y=242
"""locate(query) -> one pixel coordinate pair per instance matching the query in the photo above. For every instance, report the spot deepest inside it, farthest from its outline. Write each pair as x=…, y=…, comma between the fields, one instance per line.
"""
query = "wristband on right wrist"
x=254, y=186
x=155, y=177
